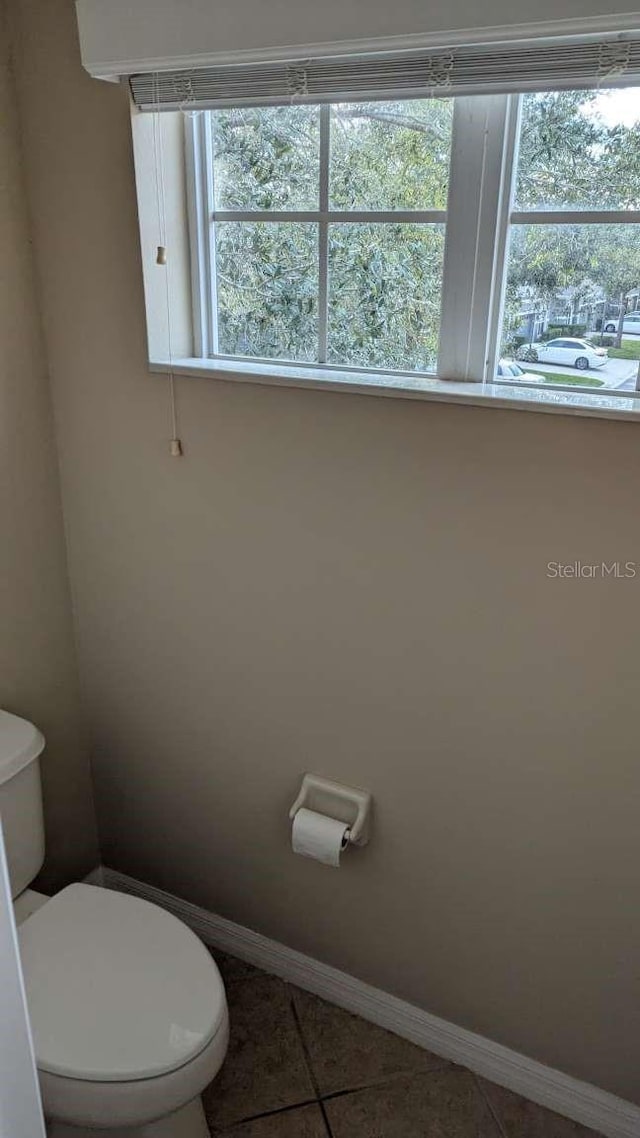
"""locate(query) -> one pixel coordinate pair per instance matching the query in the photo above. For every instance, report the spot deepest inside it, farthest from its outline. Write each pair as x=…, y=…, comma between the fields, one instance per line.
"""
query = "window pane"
x=580, y=150
x=384, y=295
x=565, y=284
x=267, y=283
x=266, y=157
x=390, y=155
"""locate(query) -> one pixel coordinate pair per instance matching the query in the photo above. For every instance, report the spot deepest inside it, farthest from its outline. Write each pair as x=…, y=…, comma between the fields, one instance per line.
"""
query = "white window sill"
x=598, y=404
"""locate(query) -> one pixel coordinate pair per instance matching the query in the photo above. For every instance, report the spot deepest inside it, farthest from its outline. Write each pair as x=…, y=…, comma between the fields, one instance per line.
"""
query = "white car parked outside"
x=631, y=323
x=567, y=351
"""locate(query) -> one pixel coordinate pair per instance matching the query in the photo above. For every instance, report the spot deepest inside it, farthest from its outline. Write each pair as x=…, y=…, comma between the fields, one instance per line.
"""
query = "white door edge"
x=20, y=1107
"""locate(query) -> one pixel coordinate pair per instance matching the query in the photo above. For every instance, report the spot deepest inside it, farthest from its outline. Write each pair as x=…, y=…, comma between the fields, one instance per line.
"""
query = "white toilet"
x=127, y=1007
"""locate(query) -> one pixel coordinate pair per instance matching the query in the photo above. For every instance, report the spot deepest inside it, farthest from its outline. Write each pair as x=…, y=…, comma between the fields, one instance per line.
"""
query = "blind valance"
x=483, y=69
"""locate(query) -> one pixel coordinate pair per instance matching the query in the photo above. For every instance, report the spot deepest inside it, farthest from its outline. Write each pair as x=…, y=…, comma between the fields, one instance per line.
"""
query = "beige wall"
x=356, y=586
x=37, y=658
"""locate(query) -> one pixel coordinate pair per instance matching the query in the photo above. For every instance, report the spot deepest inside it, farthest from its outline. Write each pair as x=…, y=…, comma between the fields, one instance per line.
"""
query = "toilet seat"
x=79, y=1102
x=118, y=989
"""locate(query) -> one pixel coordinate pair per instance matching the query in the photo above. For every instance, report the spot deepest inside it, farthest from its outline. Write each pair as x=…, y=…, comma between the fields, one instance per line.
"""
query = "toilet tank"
x=21, y=745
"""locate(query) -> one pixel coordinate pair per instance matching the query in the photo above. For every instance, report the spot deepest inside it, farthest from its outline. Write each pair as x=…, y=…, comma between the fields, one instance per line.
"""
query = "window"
x=326, y=231
x=491, y=238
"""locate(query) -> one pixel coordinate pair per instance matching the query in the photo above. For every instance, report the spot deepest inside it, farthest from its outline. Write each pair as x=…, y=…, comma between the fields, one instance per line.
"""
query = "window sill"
x=517, y=398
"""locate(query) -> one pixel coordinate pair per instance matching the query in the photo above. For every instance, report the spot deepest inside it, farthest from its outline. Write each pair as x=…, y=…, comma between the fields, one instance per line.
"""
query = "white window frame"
x=477, y=220
x=479, y=162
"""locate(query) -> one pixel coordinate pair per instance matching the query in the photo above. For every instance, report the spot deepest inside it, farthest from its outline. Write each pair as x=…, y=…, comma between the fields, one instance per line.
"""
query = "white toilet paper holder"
x=347, y=804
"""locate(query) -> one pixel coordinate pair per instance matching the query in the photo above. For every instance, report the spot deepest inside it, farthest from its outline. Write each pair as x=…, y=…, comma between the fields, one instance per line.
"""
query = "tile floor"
x=298, y=1067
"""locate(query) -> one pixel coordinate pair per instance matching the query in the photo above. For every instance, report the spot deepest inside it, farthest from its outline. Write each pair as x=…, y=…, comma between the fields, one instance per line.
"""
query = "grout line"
x=250, y=979
x=325, y=1117
x=492, y=1110
x=269, y=1113
x=351, y=1091
x=387, y=1080
x=307, y=1060
x=303, y=1043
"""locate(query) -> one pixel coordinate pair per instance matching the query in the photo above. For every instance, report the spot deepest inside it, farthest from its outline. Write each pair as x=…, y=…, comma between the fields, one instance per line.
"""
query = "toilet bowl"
x=128, y=1014
x=127, y=1007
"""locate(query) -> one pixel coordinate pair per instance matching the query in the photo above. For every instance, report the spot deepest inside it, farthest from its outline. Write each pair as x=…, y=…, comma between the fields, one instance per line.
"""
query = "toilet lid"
x=117, y=988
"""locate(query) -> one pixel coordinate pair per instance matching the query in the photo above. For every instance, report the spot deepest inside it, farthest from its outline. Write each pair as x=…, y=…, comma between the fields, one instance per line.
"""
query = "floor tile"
x=443, y=1104
x=265, y=1067
x=346, y=1052
x=233, y=970
x=305, y=1122
x=520, y=1118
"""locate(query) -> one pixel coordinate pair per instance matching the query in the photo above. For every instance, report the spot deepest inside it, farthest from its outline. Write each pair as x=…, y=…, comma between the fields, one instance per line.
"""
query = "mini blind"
x=502, y=68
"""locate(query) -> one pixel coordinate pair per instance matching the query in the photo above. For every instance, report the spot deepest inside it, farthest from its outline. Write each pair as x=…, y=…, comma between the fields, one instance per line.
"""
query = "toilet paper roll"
x=315, y=835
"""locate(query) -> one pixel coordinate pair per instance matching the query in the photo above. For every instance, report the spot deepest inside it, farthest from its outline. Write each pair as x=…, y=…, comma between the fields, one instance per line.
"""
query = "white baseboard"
x=582, y=1102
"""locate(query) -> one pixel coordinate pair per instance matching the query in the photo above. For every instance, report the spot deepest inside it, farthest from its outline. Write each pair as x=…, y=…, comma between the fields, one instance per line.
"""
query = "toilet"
x=127, y=1007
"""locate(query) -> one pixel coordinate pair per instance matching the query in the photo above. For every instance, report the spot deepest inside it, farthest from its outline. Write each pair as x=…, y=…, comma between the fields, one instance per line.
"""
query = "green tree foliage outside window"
x=384, y=280
x=573, y=157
